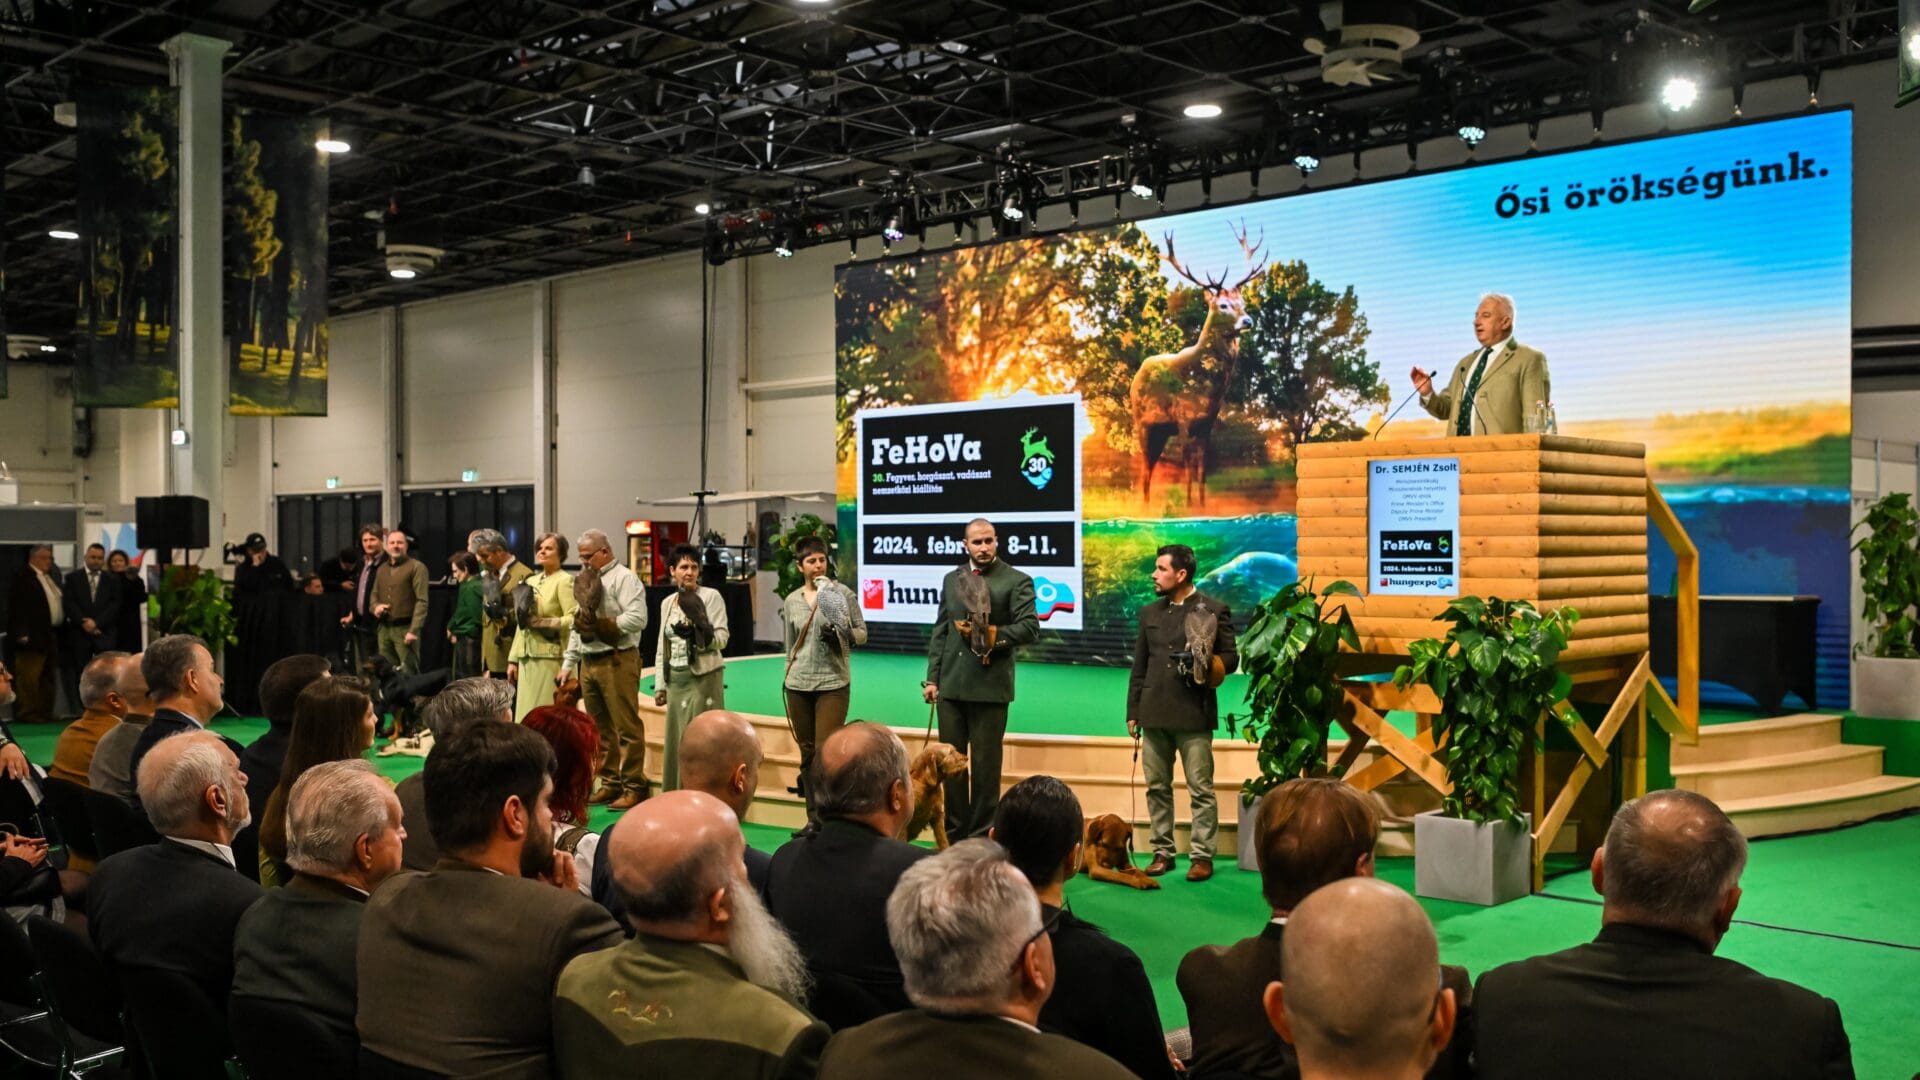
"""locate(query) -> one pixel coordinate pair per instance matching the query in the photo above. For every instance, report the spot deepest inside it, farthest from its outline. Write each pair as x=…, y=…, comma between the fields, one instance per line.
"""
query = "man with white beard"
x=710, y=985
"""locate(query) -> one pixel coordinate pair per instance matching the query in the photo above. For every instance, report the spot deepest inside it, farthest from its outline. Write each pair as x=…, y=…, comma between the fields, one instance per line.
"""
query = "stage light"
x=1305, y=143
x=63, y=234
x=1010, y=207
x=402, y=273
x=1680, y=92
x=1306, y=163
x=49, y=348
x=1201, y=110
x=332, y=146
x=1471, y=134
x=783, y=241
x=891, y=232
x=703, y=208
x=586, y=175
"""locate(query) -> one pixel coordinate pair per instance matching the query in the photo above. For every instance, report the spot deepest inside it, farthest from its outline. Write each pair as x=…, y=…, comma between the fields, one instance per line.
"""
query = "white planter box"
x=1457, y=859
x=1886, y=688
x=1248, y=856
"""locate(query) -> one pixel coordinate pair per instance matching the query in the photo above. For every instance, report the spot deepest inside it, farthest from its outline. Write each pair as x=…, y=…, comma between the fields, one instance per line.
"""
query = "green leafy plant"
x=1293, y=695
x=190, y=601
x=1495, y=673
x=784, y=562
x=1890, y=576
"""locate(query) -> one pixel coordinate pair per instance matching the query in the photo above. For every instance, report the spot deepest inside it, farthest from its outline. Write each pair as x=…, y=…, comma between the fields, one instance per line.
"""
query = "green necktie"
x=1463, y=416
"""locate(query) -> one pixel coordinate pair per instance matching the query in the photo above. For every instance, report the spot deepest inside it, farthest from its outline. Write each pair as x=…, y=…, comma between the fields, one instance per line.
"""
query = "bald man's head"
x=671, y=854
x=1672, y=860
x=1360, y=983
x=720, y=755
x=856, y=773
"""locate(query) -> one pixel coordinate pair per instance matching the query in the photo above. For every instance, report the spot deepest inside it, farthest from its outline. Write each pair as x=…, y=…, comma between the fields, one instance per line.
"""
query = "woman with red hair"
x=576, y=747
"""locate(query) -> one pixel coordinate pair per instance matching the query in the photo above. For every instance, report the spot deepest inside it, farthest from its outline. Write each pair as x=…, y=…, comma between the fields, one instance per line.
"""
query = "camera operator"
x=259, y=570
x=1173, y=710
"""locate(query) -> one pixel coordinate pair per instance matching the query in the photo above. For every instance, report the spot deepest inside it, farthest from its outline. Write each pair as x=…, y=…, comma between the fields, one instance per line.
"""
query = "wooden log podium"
x=1550, y=519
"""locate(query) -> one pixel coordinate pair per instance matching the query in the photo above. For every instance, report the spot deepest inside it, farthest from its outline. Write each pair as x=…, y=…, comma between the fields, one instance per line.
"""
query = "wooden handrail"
x=1686, y=610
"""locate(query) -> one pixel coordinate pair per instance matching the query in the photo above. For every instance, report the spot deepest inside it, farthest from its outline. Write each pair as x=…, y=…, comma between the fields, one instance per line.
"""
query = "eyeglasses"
x=1046, y=927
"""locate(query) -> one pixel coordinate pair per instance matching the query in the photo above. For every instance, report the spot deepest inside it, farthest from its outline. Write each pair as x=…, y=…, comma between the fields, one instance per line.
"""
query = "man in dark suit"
x=36, y=620
x=1362, y=994
x=185, y=690
x=91, y=597
x=458, y=965
x=1313, y=832
x=1173, y=708
x=463, y=702
x=973, y=689
x=720, y=755
x=173, y=906
x=299, y=945
x=1647, y=996
x=979, y=965
x=829, y=887
x=1101, y=996
x=706, y=957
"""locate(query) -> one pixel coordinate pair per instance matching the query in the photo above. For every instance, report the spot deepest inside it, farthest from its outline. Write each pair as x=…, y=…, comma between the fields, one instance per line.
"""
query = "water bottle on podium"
x=1541, y=421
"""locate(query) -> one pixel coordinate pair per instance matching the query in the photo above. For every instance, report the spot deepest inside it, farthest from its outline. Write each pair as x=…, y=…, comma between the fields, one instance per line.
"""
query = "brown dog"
x=1106, y=856
x=931, y=767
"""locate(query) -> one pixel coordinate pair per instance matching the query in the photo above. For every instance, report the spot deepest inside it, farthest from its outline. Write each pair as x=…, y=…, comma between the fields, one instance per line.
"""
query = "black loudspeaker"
x=170, y=521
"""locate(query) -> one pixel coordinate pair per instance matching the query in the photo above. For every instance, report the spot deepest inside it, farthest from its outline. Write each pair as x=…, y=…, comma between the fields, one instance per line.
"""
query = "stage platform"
x=1833, y=911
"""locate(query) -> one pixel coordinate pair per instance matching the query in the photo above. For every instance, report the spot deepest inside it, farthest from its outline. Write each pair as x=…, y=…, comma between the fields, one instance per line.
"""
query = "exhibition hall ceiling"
x=528, y=138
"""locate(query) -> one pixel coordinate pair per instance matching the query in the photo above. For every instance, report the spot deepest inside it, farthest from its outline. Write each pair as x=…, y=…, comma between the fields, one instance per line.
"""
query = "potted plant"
x=1886, y=666
x=1293, y=694
x=784, y=564
x=190, y=601
x=1495, y=672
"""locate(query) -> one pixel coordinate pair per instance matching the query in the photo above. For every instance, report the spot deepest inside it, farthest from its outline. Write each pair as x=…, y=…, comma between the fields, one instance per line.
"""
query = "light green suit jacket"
x=1516, y=378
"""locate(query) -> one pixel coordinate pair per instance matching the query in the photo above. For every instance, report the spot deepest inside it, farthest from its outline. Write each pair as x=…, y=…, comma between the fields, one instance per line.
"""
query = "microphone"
x=1404, y=402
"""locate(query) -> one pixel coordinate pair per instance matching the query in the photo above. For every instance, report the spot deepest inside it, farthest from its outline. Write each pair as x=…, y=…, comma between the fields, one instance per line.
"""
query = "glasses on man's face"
x=1046, y=927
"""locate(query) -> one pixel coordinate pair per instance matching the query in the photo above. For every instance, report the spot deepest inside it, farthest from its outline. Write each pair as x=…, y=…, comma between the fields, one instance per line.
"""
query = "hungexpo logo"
x=1036, y=461
x=1050, y=596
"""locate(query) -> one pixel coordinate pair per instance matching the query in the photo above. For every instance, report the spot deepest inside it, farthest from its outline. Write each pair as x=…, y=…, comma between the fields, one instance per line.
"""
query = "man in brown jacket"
x=400, y=604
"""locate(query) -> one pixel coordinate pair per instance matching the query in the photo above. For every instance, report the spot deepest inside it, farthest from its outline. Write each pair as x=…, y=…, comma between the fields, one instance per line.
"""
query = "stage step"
x=1823, y=808
x=1749, y=739
x=1781, y=774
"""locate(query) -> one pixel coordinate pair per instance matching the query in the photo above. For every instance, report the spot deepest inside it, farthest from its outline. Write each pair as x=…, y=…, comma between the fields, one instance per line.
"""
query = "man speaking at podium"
x=1495, y=387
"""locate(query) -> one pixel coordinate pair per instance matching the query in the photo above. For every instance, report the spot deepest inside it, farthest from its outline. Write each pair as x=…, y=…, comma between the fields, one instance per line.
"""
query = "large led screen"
x=1692, y=293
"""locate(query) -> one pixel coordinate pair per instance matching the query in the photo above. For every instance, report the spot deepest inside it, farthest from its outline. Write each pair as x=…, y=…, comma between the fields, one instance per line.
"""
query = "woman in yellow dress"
x=534, y=658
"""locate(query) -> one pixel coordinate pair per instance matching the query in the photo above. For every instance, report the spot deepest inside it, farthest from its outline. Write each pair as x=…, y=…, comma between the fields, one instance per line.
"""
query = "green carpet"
x=1837, y=912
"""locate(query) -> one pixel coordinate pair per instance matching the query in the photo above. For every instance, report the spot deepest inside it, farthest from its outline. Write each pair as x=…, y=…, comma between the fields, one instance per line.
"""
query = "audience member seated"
x=1648, y=997
x=102, y=707
x=110, y=770
x=576, y=753
x=1101, y=995
x=720, y=756
x=298, y=945
x=186, y=693
x=20, y=858
x=709, y=985
x=458, y=965
x=280, y=687
x=462, y=702
x=1313, y=832
x=332, y=721
x=979, y=965
x=829, y=888
x=173, y=906
x=1361, y=996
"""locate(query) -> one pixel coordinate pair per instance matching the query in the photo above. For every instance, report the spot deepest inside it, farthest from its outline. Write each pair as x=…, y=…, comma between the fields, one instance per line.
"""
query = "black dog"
x=402, y=694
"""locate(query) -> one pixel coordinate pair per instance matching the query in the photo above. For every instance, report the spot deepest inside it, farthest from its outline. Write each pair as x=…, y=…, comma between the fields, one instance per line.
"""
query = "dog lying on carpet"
x=931, y=768
x=1106, y=853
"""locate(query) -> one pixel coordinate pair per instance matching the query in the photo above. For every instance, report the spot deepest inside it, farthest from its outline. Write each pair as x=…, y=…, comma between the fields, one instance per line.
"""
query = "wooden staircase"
x=1790, y=774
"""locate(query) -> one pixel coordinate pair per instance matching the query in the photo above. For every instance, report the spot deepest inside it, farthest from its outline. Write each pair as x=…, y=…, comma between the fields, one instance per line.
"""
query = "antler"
x=1208, y=285
x=1252, y=252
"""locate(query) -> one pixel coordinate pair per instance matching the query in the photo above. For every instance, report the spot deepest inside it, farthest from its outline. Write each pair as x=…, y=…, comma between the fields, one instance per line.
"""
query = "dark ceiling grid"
x=472, y=120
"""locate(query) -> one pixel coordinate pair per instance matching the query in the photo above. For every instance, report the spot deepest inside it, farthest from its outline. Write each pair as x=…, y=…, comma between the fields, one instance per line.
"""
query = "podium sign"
x=1413, y=526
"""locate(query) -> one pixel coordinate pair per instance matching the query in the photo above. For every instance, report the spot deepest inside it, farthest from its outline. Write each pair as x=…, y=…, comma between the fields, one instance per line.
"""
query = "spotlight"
x=49, y=348
x=1306, y=144
x=408, y=261
x=783, y=241
x=1471, y=134
x=1010, y=207
x=63, y=234
x=891, y=232
x=1306, y=163
x=703, y=208
x=1141, y=182
x=586, y=175
x=1680, y=92
x=332, y=146
x=1201, y=110
x=402, y=273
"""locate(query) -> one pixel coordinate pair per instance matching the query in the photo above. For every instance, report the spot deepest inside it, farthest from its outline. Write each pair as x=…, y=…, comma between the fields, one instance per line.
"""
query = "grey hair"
x=166, y=663
x=100, y=678
x=861, y=783
x=595, y=538
x=465, y=702
x=480, y=540
x=1672, y=874
x=958, y=922
x=331, y=807
x=1504, y=301
x=172, y=797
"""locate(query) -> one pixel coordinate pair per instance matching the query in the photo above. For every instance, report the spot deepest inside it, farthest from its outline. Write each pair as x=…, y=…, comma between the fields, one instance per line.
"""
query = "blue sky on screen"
x=1675, y=305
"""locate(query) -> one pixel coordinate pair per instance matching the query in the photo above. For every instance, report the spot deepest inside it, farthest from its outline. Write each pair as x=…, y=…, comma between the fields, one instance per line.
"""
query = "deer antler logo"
x=1036, y=458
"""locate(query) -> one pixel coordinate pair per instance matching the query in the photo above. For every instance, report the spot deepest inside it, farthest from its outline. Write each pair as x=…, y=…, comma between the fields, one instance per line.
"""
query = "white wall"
x=466, y=372
x=348, y=441
x=36, y=433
